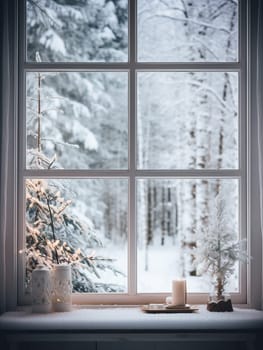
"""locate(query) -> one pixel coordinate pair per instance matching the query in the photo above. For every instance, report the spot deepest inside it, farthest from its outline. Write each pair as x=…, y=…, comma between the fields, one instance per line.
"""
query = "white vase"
x=62, y=288
x=41, y=290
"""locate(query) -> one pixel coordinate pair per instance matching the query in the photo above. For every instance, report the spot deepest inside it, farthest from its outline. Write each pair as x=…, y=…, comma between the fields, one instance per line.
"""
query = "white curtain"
x=8, y=58
x=259, y=112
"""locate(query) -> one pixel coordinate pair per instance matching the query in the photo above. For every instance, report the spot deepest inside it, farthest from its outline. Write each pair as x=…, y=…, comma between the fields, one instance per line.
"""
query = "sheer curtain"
x=259, y=112
x=7, y=190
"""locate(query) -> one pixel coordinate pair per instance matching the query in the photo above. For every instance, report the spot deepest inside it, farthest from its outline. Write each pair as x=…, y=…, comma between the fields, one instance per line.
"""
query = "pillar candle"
x=179, y=292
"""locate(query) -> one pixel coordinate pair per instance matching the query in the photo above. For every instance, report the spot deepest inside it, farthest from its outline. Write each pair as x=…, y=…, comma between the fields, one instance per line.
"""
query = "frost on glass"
x=187, y=31
x=173, y=216
x=80, y=31
x=77, y=120
x=188, y=121
x=81, y=222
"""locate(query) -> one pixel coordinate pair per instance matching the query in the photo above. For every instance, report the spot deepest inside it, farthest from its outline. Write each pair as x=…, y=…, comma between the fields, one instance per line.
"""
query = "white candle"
x=179, y=292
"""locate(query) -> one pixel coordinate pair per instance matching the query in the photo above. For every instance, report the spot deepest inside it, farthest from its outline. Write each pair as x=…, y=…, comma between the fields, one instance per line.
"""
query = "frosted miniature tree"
x=218, y=248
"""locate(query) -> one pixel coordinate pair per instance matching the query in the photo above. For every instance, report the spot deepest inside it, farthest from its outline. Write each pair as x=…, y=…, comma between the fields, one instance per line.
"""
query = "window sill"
x=131, y=319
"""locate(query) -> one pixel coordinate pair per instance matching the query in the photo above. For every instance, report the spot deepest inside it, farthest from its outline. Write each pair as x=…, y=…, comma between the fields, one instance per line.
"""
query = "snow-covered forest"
x=79, y=120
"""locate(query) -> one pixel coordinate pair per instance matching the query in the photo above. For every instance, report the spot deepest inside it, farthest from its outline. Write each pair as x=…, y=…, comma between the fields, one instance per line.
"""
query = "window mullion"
x=64, y=173
x=84, y=66
x=195, y=173
x=132, y=272
x=69, y=173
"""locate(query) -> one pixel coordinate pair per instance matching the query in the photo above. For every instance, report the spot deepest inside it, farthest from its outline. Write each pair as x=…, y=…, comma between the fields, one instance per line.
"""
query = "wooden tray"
x=163, y=308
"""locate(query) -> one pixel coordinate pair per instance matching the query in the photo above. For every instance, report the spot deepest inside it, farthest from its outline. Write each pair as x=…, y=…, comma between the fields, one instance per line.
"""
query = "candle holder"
x=62, y=288
x=41, y=290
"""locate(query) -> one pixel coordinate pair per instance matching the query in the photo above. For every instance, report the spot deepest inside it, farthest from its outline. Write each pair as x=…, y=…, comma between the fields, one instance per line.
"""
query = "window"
x=133, y=121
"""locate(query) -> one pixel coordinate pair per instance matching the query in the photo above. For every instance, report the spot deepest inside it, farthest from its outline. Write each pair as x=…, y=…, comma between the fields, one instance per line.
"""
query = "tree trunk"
x=219, y=288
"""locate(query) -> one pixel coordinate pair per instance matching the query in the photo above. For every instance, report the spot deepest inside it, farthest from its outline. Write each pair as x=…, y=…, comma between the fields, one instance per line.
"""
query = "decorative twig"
x=52, y=226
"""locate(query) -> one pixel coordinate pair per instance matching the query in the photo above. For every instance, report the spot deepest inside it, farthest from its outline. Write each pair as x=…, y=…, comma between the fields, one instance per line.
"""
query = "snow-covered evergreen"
x=219, y=248
x=54, y=235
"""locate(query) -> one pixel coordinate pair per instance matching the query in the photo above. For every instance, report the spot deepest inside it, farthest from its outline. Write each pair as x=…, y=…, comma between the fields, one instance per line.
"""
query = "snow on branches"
x=54, y=236
x=218, y=247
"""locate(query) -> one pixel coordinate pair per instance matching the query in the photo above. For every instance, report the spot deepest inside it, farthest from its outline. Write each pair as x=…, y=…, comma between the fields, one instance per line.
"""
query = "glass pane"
x=77, y=120
x=176, y=219
x=80, y=31
x=187, y=31
x=83, y=222
x=188, y=121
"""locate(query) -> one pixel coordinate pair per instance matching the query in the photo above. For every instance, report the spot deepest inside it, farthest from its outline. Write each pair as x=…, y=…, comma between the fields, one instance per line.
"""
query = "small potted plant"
x=218, y=250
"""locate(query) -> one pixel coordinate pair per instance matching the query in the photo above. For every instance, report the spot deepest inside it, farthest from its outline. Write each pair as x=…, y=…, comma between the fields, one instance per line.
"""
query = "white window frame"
x=242, y=174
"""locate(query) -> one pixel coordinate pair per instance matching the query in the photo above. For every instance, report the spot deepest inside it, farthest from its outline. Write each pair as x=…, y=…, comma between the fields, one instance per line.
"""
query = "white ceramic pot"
x=41, y=290
x=62, y=288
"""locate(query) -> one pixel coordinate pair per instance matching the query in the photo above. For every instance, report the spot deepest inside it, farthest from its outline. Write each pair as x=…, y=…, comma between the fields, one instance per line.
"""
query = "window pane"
x=187, y=31
x=83, y=222
x=175, y=219
x=80, y=31
x=77, y=120
x=188, y=121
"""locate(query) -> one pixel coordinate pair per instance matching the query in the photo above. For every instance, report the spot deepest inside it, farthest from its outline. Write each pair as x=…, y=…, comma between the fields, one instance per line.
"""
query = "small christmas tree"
x=218, y=248
x=54, y=236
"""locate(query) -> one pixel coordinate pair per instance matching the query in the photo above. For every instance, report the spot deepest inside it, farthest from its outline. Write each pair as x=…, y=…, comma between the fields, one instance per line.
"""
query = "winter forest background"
x=79, y=120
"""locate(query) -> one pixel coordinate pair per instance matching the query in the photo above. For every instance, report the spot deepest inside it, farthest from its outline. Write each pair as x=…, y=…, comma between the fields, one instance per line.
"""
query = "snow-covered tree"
x=53, y=233
x=218, y=247
x=54, y=236
x=87, y=125
x=189, y=120
x=75, y=31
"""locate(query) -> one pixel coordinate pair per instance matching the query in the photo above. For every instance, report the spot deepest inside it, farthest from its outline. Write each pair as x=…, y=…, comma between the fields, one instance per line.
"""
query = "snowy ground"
x=163, y=267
